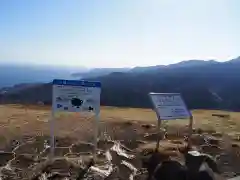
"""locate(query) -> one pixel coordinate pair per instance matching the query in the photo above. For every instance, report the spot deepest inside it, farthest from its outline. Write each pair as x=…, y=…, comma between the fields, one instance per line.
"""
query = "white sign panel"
x=76, y=96
x=169, y=106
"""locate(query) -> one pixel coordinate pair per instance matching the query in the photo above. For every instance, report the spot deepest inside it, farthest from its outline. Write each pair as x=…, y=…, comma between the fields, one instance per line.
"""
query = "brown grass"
x=16, y=118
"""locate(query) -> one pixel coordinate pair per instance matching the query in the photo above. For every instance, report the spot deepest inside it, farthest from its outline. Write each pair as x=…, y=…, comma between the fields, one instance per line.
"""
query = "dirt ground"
x=25, y=131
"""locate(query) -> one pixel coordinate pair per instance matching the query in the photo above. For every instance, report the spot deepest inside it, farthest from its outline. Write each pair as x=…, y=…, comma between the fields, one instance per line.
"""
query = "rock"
x=199, y=131
x=30, y=148
x=82, y=147
x=194, y=130
x=7, y=173
x=105, y=144
x=130, y=144
x=58, y=151
x=177, y=141
x=235, y=145
x=64, y=141
x=23, y=161
x=153, y=136
x=217, y=134
x=173, y=136
x=5, y=157
x=236, y=138
x=128, y=123
x=209, y=131
x=212, y=150
x=235, y=178
x=212, y=140
x=148, y=126
x=197, y=139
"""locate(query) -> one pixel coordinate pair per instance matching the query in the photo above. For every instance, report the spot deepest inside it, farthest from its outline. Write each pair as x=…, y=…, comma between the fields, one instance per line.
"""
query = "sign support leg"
x=190, y=131
x=158, y=133
x=52, y=141
x=226, y=138
x=96, y=136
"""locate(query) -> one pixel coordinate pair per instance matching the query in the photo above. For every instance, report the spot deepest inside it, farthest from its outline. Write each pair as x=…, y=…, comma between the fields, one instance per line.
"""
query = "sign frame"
x=78, y=83
x=190, y=117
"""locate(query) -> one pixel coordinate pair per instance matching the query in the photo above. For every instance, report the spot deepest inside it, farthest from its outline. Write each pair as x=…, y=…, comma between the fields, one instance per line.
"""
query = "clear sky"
x=118, y=33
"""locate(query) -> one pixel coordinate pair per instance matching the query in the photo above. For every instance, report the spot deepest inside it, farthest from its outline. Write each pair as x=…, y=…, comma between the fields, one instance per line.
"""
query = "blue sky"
x=118, y=33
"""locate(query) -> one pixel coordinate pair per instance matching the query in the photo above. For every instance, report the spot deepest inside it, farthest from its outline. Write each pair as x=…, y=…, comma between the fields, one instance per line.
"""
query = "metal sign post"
x=52, y=132
x=75, y=96
x=190, y=131
x=97, y=118
x=159, y=132
x=169, y=106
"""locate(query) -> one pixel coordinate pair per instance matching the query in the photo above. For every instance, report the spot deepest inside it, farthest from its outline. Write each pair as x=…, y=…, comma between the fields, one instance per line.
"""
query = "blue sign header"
x=77, y=83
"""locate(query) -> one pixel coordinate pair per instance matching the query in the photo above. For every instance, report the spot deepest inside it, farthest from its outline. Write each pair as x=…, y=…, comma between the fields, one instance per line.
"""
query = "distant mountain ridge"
x=189, y=63
x=17, y=74
x=95, y=72
x=203, y=84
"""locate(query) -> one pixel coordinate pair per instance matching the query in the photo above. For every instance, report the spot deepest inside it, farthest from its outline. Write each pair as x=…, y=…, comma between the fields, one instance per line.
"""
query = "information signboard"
x=75, y=96
x=169, y=106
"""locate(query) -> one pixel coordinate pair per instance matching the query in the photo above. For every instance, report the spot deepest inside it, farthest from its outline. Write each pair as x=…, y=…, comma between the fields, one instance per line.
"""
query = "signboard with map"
x=76, y=96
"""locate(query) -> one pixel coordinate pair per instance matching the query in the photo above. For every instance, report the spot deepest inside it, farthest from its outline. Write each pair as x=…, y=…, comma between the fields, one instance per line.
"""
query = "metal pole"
x=158, y=133
x=97, y=118
x=190, y=131
x=225, y=136
x=52, y=141
x=159, y=122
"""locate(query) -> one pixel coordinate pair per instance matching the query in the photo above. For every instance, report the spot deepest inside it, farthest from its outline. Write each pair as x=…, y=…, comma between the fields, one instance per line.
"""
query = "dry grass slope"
x=33, y=120
x=31, y=124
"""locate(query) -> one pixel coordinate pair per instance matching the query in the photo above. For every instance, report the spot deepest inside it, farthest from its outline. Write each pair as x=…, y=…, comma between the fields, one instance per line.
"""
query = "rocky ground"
x=25, y=155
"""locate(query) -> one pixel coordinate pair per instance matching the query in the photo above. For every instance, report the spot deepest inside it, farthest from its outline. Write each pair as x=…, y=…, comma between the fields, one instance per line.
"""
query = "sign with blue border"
x=76, y=95
x=77, y=83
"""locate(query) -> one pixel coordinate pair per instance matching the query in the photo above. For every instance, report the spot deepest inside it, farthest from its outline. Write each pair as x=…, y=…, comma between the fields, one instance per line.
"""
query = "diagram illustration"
x=76, y=102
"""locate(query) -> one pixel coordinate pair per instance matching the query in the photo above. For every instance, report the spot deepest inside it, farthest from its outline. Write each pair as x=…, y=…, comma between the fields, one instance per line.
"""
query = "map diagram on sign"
x=76, y=102
x=76, y=96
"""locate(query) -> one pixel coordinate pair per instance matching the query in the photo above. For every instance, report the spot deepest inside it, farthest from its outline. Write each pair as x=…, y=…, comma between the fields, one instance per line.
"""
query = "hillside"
x=208, y=85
